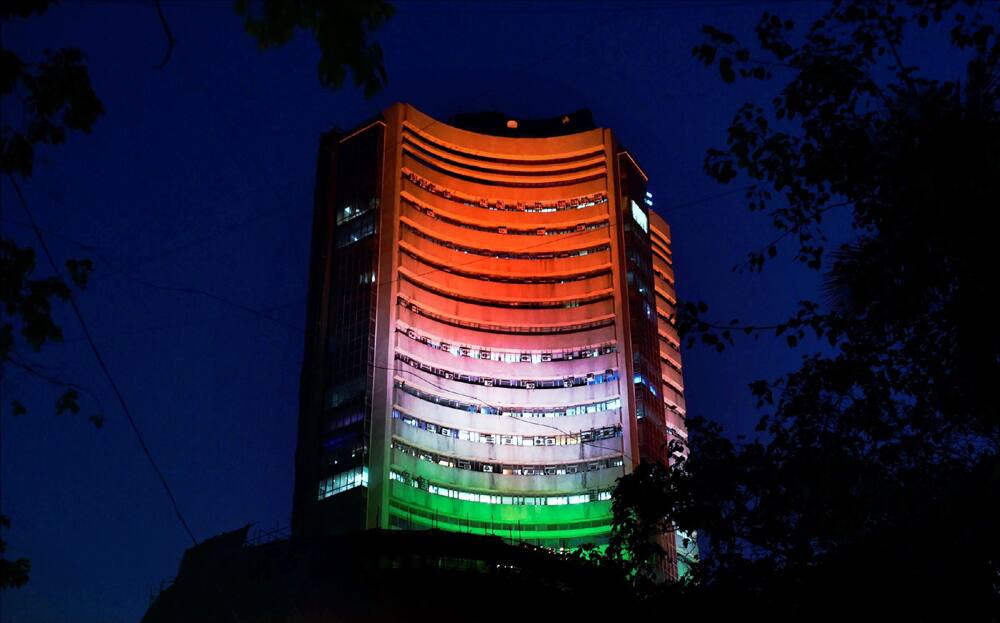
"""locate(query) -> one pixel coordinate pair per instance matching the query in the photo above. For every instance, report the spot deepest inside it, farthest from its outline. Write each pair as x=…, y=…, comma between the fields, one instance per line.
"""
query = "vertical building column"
x=382, y=362
x=314, y=360
x=623, y=335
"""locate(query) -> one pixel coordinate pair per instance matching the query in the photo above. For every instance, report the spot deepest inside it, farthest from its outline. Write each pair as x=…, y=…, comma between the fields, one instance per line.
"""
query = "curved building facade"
x=490, y=344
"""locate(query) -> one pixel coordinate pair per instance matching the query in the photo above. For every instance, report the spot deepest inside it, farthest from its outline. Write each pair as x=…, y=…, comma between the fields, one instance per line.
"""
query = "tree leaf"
x=68, y=402
x=726, y=70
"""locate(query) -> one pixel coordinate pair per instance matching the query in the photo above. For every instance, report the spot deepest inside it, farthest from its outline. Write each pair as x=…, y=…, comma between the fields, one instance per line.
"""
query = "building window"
x=489, y=498
x=640, y=216
x=569, y=439
x=344, y=481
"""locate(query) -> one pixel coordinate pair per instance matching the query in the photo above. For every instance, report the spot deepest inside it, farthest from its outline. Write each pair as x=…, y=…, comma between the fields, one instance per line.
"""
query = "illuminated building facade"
x=489, y=345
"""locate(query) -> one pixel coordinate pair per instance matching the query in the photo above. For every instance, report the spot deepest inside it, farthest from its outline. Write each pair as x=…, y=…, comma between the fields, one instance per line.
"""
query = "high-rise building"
x=489, y=343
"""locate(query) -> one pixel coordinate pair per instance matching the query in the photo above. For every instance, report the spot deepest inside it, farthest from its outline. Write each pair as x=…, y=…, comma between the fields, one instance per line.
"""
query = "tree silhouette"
x=342, y=30
x=53, y=97
x=873, y=483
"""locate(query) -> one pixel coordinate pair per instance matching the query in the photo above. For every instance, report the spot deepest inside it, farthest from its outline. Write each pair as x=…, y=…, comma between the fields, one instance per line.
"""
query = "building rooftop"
x=499, y=124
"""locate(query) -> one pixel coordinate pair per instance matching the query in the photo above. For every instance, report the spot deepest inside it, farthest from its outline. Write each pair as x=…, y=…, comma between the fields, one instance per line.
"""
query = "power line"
x=104, y=367
x=174, y=289
x=261, y=314
x=127, y=411
x=222, y=228
x=169, y=35
x=250, y=310
x=707, y=198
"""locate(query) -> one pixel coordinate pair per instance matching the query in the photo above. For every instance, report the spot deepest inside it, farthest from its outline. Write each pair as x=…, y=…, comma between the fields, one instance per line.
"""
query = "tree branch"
x=52, y=380
x=787, y=232
x=166, y=31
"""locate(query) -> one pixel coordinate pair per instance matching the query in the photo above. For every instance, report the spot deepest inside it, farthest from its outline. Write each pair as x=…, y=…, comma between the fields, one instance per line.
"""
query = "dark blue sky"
x=200, y=176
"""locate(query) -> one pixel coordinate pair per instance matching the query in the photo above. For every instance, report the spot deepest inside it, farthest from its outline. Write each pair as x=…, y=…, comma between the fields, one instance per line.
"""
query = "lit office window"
x=640, y=216
x=344, y=481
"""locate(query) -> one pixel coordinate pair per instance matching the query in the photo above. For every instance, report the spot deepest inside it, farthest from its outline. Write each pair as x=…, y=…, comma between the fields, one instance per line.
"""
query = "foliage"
x=57, y=97
x=875, y=470
x=13, y=573
x=342, y=30
x=54, y=97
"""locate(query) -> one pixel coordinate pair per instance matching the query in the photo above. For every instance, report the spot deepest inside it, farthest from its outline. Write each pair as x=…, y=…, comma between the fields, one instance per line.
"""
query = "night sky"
x=200, y=178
